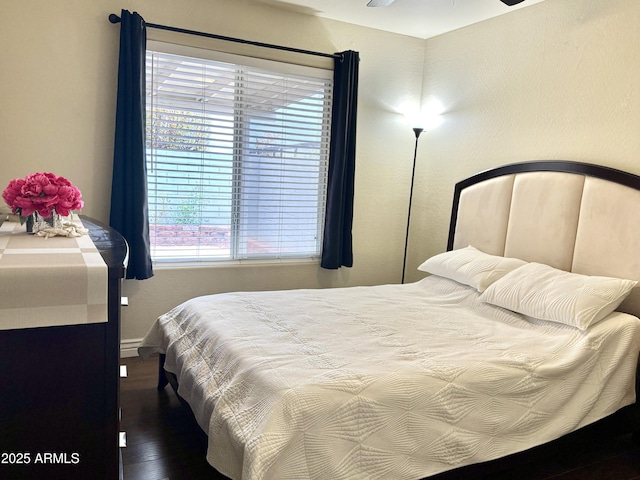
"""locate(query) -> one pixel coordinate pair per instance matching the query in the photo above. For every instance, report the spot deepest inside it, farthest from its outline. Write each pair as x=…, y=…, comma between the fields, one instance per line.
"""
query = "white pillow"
x=470, y=266
x=543, y=292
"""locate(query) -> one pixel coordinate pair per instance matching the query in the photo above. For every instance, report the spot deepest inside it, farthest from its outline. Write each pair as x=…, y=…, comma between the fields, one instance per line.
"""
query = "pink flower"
x=33, y=184
x=12, y=191
x=23, y=206
x=68, y=199
x=44, y=193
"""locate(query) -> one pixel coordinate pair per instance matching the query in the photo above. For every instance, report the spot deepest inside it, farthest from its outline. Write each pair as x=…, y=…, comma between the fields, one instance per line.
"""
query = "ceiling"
x=416, y=18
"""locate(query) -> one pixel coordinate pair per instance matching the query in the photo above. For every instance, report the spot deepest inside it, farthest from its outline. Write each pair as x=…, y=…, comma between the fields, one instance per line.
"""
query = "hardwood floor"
x=164, y=442
x=163, y=439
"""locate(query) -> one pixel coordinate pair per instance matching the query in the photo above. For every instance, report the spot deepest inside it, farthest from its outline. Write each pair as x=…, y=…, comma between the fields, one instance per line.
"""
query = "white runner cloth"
x=50, y=281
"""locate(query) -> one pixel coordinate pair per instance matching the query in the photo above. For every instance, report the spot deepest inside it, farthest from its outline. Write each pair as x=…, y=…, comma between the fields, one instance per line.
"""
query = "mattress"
x=391, y=381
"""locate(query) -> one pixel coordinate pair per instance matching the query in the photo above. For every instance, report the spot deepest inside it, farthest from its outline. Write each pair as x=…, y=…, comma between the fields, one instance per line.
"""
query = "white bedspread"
x=392, y=382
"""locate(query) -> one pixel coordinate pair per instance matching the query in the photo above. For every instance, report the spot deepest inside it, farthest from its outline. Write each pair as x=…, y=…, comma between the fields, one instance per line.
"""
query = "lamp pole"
x=417, y=131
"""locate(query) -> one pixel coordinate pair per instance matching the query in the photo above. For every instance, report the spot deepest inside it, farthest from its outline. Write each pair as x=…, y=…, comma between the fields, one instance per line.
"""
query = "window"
x=237, y=155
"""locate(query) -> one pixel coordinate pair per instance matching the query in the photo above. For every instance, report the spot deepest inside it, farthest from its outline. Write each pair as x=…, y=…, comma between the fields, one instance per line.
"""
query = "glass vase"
x=36, y=222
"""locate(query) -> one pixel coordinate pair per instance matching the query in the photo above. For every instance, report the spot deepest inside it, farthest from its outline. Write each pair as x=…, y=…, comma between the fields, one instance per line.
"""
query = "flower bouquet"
x=42, y=194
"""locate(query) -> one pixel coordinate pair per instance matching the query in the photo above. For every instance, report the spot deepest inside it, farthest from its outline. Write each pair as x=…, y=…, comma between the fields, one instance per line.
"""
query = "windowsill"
x=169, y=265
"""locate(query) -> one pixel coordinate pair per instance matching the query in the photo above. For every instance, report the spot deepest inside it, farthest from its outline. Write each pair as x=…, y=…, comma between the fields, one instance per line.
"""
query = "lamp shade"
x=428, y=118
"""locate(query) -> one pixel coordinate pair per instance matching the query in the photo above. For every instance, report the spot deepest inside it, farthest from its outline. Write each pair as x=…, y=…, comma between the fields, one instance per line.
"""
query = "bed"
x=524, y=330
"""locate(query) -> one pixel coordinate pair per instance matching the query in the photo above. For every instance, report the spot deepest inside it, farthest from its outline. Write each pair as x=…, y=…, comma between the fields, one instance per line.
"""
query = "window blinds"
x=237, y=156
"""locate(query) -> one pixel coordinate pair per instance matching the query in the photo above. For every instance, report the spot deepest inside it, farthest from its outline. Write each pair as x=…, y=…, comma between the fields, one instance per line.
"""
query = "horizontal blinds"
x=237, y=158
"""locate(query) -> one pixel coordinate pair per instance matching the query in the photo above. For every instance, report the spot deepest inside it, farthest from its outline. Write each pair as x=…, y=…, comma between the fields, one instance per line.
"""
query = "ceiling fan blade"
x=386, y=3
x=379, y=3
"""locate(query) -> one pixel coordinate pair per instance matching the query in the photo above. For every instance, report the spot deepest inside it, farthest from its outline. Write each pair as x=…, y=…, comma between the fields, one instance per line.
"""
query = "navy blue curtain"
x=337, y=247
x=129, y=212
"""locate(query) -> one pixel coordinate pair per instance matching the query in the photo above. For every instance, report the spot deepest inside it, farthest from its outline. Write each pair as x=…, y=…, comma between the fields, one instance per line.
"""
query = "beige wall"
x=59, y=67
x=558, y=79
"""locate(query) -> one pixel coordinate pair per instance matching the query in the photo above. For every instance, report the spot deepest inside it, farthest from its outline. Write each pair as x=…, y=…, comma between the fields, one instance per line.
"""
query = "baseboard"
x=129, y=347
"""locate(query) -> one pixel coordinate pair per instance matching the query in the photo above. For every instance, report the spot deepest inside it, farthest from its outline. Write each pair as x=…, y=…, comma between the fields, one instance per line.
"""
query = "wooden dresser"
x=59, y=397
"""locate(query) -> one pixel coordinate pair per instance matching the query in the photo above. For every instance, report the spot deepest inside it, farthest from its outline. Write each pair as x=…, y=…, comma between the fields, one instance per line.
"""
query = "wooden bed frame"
x=485, y=204
x=498, y=210
x=468, y=224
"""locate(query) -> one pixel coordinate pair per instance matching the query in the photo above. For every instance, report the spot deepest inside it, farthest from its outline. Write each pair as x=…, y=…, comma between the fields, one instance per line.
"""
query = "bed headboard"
x=577, y=217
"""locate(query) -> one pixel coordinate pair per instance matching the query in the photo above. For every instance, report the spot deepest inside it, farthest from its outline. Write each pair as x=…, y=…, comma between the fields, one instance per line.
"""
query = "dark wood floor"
x=163, y=439
x=164, y=442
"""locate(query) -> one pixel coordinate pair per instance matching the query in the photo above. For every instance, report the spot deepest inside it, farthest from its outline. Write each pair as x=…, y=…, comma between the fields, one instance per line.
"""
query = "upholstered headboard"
x=573, y=216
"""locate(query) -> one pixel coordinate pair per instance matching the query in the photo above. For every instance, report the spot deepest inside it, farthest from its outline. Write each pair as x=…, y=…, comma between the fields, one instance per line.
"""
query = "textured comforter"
x=393, y=382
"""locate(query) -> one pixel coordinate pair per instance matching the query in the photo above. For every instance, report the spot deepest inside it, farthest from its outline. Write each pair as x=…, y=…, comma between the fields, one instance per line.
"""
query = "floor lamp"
x=417, y=131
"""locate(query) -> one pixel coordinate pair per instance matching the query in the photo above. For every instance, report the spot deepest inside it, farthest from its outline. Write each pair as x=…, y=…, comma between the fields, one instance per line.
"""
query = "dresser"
x=59, y=387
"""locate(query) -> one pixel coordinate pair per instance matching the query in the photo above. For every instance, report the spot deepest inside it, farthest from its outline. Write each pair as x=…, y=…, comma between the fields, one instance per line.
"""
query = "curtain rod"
x=113, y=18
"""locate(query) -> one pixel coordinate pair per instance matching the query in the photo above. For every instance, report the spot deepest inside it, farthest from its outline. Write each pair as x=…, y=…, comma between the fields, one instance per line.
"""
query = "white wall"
x=559, y=79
